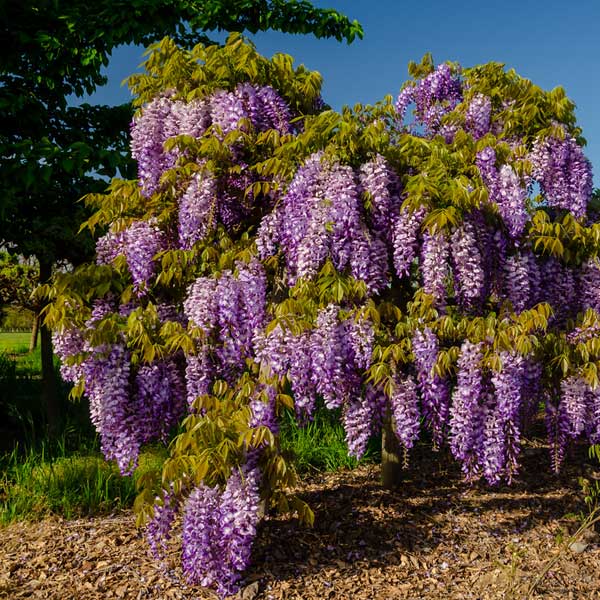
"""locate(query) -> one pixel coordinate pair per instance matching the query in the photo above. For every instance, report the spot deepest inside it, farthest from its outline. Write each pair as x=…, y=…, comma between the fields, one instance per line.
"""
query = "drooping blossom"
x=218, y=531
x=468, y=266
x=563, y=172
x=434, y=390
x=466, y=411
x=435, y=267
x=477, y=117
x=406, y=416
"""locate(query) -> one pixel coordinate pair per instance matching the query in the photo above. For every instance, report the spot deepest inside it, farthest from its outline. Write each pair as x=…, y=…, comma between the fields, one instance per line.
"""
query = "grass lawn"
x=12, y=342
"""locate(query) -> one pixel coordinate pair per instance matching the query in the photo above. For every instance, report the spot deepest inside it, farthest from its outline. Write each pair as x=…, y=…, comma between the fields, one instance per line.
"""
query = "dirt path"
x=435, y=538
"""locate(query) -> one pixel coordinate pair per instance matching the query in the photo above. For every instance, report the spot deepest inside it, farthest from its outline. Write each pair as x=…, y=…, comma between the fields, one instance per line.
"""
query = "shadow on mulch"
x=359, y=522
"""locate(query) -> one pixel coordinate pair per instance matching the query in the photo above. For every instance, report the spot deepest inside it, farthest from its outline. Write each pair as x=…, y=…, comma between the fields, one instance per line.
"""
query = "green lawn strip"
x=35, y=484
x=16, y=342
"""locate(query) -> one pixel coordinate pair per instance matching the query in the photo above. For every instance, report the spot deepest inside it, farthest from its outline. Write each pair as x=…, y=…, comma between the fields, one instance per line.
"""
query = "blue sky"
x=552, y=43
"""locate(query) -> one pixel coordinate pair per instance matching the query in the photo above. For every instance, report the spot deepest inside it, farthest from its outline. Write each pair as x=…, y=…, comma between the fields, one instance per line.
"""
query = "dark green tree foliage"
x=17, y=280
x=53, y=153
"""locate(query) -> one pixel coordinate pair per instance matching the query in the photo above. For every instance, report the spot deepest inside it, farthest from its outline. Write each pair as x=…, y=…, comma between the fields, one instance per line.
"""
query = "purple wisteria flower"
x=158, y=529
x=381, y=184
x=435, y=267
x=466, y=412
x=107, y=385
x=405, y=239
x=563, y=172
x=218, y=531
x=229, y=311
x=68, y=343
x=505, y=190
x=468, y=269
x=516, y=282
x=404, y=404
x=558, y=428
x=434, y=96
x=336, y=379
x=477, y=118
x=142, y=240
x=502, y=426
x=197, y=209
x=434, y=390
x=263, y=410
x=589, y=285
x=356, y=418
x=158, y=399
x=574, y=404
x=322, y=216
x=148, y=135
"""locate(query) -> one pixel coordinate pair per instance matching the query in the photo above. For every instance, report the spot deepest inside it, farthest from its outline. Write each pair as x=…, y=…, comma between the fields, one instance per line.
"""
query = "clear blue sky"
x=552, y=43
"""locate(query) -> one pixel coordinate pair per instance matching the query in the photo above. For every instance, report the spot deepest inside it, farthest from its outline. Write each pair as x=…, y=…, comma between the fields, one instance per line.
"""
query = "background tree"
x=18, y=279
x=54, y=153
x=394, y=262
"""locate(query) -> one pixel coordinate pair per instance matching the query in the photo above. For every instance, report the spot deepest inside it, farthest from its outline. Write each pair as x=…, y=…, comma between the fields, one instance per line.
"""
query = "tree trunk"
x=391, y=457
x=34, y=332
x=49, y=383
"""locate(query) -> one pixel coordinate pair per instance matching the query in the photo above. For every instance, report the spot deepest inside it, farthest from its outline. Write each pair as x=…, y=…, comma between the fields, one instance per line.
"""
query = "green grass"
x=15, y=342
x=320, y=445
x=48, y=480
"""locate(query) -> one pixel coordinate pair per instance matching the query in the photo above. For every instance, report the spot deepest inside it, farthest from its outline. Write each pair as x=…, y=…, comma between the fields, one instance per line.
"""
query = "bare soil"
x=435, y=537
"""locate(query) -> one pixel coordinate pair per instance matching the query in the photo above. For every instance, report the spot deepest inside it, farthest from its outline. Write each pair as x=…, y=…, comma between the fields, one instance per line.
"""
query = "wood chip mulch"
x=434, y=538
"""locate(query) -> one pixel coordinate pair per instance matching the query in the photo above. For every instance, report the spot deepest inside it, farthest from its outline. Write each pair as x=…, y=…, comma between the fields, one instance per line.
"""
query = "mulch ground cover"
x=435, y=537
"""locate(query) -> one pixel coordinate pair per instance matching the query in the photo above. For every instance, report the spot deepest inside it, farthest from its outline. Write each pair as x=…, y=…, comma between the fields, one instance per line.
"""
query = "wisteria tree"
x=427, y=266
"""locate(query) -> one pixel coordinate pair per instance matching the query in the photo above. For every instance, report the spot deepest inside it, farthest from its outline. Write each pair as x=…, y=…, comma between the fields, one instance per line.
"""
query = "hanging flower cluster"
x=322, y=216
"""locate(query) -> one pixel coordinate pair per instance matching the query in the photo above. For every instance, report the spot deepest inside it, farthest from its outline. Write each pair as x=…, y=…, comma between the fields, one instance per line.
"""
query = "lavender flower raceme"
x=516, y=283
x=502, y=422
x=404, y=403
x=142, y=240
x=356, y=418
x=589, y=285
x=197, y=209
x=559, y=428
x=466, y=411
x=505, y=190
x=563, y=172
x=218, y=531
x=148, y=136
x=405, y=239
x=229, y=312
x=201, y=557
x=469, y=275
x=321, y=217
x=477, y=118
x=67, y=343
x=435, y=268
x=434, y=390
x=434, y=96
x=107, y=386
x=381, y=184
x=333, y=359
x=158, y=529
x=574, y=404
x=159, y=394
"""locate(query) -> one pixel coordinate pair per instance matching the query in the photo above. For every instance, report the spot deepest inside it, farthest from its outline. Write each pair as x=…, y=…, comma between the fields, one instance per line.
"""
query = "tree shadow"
x=357, y=521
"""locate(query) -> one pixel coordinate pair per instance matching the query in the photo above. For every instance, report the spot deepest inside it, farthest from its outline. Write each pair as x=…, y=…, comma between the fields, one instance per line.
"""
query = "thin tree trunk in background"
x=391, y=457
x=49, y=383
x=35, y=330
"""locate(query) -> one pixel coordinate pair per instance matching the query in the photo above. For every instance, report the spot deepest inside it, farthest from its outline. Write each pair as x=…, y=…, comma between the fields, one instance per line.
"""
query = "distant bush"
x=14, y=317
